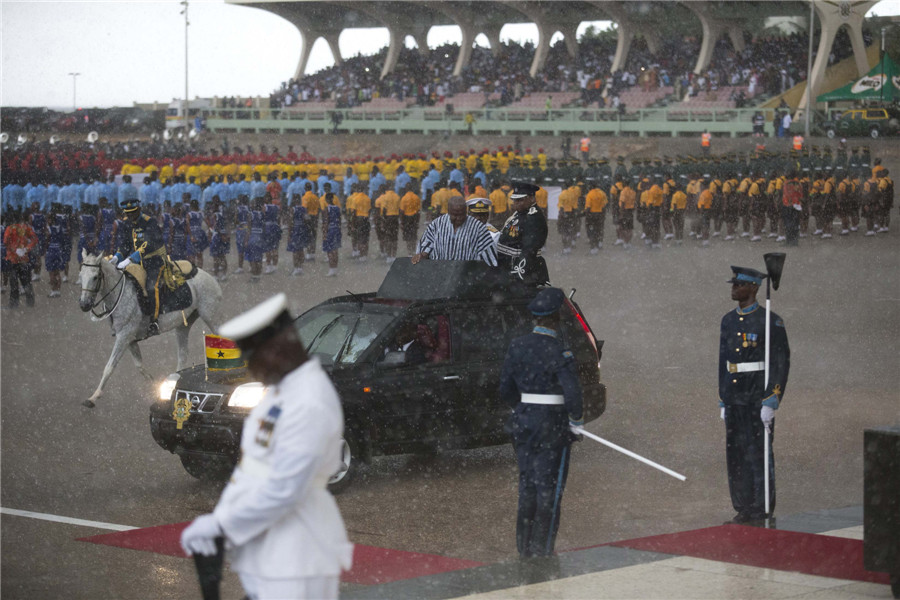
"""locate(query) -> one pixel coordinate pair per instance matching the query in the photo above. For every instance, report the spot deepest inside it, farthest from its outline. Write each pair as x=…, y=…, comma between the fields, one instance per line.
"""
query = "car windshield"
x=340, y=334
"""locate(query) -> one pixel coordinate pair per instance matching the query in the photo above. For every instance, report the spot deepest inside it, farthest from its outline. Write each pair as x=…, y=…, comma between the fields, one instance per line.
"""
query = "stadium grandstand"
x=699, y=61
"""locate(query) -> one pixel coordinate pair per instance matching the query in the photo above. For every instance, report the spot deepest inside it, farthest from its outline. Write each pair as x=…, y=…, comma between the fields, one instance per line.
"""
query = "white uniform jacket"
x=276, y=511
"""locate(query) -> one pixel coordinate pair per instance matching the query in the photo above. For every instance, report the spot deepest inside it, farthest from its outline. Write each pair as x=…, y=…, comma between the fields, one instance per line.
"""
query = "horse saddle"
x=173, y=293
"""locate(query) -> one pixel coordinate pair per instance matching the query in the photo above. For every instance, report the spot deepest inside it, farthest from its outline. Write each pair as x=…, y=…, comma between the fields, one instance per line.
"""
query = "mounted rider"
x=142, y=244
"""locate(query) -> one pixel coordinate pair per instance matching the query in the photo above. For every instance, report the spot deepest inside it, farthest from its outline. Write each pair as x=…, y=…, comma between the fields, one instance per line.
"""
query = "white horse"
x=106, y=292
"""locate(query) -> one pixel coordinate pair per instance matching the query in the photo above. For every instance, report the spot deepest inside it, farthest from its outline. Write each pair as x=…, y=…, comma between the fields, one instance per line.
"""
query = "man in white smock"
x=283, y=530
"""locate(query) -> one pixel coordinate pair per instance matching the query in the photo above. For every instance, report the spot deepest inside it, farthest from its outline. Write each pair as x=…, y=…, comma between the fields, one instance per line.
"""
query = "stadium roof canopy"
x=643, y=18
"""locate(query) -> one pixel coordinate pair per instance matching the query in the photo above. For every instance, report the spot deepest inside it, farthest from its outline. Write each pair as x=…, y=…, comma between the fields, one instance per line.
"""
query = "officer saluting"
x=286, y=535
x=522, y=237
x=747, y=405
x=540, y=382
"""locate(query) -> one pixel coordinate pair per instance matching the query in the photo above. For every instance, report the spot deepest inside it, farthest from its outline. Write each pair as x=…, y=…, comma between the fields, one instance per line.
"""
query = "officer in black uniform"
x=522, y=237
x=142, y=243
x=747, y=405
x=539, y=380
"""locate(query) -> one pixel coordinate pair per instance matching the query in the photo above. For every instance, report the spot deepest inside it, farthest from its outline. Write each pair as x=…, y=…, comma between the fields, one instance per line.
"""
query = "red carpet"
x=808, y=553
x=371, y=565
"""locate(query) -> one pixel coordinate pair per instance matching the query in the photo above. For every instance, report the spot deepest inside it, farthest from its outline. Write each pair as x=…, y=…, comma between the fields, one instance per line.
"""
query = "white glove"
x=722, y=413
x=20, y=252
x=113, y=259
x=123, y=264
x=798, y=207
x=200, y=536
x=767, y=415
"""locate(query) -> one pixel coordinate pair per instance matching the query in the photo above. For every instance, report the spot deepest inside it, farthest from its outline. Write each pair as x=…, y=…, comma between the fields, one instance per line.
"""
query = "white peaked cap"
x=256, y=319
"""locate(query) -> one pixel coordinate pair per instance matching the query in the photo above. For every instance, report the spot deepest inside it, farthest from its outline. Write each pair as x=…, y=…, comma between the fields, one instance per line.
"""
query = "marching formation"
x=251, y=211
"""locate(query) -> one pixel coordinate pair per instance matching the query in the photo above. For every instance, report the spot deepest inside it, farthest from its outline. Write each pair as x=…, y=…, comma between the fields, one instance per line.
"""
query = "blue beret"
x=547, y=302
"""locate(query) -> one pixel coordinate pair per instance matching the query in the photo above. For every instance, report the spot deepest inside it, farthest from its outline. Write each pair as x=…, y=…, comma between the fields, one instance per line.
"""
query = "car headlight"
x=168, y=386
x=247, y=395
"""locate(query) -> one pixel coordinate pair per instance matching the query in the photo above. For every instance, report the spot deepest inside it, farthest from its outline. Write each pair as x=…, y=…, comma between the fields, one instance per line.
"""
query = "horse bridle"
x=94, y=291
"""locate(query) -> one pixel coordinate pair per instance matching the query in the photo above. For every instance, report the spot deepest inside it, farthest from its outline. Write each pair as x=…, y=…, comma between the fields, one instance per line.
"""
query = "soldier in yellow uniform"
x=844, y=203
x=410, y=209
x=541, y=196
x=499, y=198
x=311, y=204
x=390, y=222
x=627, y=202
x=756, y=196
x=439, y=200
x=705, y=208
x=567, y=223
x=362, y=205
x=828, y=205
x=595, y=216
x=731, y=209
x=542, y=159
x=886, y=190
x=654, y=213
x=677, y=206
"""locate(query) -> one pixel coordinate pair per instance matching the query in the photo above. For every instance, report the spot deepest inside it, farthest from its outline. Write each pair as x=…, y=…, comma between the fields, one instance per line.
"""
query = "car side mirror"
x=393, y=358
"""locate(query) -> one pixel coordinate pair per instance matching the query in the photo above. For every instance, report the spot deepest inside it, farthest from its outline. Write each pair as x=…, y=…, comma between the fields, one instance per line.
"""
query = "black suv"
x=463, y=315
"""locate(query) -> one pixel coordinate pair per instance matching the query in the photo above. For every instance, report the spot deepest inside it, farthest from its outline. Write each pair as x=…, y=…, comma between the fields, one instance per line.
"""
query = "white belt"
x=745, y=367
x=543, y=399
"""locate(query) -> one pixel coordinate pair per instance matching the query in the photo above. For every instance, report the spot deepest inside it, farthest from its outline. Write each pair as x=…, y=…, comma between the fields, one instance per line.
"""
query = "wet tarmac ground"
x=658, y=313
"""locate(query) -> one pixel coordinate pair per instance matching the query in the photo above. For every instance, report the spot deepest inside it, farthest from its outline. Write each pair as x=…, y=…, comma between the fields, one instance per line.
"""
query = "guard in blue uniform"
x=747, y=405
x=141, y=242
x=540, y=382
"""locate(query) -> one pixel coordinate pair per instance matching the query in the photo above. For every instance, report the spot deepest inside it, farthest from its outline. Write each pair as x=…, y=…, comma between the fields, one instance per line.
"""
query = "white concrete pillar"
x=570, y=36
x=736, y=33
x=542, y=49
x=623, y=45
x=465, y=48
x=654, y=41
x=393, y=53
x=859, y=48
x=831, y=19
x=332, y=38
x=308, y=40
x=493, y=36
x=712, y=31
x=421, y=42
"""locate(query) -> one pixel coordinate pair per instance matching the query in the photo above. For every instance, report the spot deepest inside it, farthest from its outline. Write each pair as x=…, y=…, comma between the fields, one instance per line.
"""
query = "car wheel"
x=830, y=133
x=873, y=133
x=350, y=458
x=207, y=468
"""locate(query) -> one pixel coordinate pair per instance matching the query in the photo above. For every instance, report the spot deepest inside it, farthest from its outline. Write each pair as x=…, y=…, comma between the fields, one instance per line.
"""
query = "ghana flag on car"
x=222, y=353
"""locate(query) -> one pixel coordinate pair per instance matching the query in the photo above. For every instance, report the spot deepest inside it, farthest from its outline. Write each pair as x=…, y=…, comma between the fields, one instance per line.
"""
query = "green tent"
x=878, y=85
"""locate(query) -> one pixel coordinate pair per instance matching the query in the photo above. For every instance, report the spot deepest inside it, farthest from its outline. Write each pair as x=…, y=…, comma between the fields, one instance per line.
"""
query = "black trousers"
x=542, y=454
x=791, y=219
x=744, y=455
x=20, y=275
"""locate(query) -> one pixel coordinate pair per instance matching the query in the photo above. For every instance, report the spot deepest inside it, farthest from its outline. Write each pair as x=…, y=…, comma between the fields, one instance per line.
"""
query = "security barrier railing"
x=672, y=121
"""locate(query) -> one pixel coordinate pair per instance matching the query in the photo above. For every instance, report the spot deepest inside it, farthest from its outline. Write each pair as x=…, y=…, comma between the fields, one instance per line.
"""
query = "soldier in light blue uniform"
x=539, y=381
x=376, y=180
x=127, y=192
x=350, y=179
x=401, y=180
x=193, y=188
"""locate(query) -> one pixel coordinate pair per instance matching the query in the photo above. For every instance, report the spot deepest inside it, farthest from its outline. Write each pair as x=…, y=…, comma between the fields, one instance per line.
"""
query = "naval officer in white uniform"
x=285, y=535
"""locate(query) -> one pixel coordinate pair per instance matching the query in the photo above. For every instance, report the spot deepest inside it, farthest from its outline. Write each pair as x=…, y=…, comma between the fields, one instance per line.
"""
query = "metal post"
x=883, y=82
x=75, y=77
x=186, y=102
x=809, y=61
